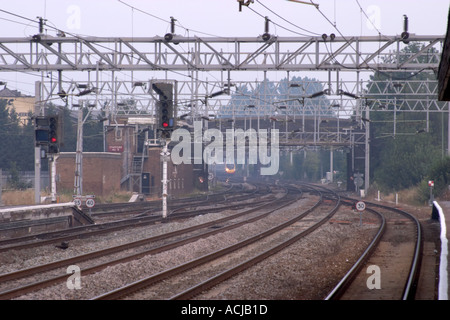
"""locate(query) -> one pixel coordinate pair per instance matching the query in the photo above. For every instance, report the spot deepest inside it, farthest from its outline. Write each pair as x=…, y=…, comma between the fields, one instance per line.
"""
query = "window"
x=118, y=135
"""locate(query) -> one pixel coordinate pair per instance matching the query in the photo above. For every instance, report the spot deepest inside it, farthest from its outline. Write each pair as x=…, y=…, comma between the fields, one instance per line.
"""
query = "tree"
x=402, y=158
x=16, y=142
x=92, y=129
x=267, y=94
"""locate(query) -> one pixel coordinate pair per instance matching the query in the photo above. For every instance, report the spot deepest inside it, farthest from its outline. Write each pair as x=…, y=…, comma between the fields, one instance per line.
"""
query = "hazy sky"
x=222, y=17
x=219, y=18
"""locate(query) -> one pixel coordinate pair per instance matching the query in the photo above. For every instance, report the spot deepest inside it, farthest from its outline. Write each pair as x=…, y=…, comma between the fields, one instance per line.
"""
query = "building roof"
x=7, y=93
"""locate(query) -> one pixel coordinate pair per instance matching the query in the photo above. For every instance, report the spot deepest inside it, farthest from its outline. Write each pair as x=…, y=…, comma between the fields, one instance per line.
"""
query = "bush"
x=423, y=191
x=440, y=174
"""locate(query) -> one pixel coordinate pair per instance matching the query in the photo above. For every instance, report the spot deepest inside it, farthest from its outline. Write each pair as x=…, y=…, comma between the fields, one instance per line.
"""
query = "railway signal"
x=166, y=121
x=41, y=131
x=165, y=107
x=53, y=141
x=431, y=185
x=47, y=133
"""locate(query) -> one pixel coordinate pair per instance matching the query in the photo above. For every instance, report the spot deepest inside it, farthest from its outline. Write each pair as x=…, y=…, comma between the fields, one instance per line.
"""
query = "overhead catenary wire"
x=278, y=25
x=359, y=53
x=164, y=20
x=370, y=20
x=293, y=24
x=77, y=36
x=191, y=75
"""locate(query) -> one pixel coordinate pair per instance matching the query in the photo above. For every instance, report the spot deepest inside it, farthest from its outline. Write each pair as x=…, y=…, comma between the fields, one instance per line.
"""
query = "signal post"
x=166, y=115
x=47, y=142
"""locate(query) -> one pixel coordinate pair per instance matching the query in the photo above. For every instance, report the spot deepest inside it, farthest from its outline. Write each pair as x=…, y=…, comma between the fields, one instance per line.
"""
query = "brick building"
x=101, y=172
x=141, y=163
x=128, y=164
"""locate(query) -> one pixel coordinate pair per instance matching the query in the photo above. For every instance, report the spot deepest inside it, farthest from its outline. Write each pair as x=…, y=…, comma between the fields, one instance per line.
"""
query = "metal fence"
x=26, y=178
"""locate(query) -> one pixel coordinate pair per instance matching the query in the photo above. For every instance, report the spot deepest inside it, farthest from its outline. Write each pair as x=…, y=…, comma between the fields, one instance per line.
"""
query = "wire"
x=9, y=20
x=166, y=21
x=371, y=22
x=18, y=16
x=258, y=1
x=358, y=53
x=102, y=46
x=259, y=14
x=144, y=12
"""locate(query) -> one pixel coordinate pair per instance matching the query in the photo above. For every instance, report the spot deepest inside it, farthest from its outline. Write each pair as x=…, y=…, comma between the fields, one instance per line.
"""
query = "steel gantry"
x=47, y=53
x=81, y=63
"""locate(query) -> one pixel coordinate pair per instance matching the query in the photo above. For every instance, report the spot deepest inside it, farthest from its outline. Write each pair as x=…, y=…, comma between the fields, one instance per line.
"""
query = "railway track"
x=228, y=258
x=139, y=216
x=108, y=215
x=217, y=264
x=394, y=258
x=203, y=230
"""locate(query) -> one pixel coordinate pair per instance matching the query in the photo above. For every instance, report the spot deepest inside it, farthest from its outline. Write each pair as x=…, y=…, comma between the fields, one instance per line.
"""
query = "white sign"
x=90, y=203
x=431, y=183
x=77, y=202
x=360, y=206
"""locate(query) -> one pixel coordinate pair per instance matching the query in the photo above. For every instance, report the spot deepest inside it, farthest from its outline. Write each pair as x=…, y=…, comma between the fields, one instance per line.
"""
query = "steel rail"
x=339, y=289
x=414, y=271
x=25, y=272
x=209, y=283
x=91, y=230
x=142, y=283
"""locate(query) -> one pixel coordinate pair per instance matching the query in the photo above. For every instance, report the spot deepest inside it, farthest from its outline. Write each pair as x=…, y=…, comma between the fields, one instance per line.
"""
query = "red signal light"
x=53, y=140
x=165, y=124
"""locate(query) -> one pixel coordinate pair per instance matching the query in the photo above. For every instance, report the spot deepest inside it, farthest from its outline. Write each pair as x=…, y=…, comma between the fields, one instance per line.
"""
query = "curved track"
x=225, y=260
x=398, y=275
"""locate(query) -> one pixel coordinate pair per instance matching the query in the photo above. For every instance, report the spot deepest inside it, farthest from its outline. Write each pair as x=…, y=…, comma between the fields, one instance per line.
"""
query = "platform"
x=441, y=211
x=22, y=220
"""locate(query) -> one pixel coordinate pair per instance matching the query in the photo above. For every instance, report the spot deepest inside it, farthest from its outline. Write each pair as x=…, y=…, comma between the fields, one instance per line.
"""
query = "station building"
x=131, y=162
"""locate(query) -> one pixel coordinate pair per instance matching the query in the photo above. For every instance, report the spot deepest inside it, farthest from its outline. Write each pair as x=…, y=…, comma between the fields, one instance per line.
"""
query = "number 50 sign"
x=360, y=206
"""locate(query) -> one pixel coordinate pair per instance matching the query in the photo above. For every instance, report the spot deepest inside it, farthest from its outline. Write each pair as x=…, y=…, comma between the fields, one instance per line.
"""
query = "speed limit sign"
x=90, y=203
x=360, y=206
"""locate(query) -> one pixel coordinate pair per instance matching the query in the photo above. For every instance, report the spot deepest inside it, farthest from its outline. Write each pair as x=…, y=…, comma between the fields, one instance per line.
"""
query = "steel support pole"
x=37, y=150
x=37, y=175
x=448, y=129
x=367, y=153
x=331, y=164
x=53, y=178
x=164, y=154
x=78, y=185
x=1, y=186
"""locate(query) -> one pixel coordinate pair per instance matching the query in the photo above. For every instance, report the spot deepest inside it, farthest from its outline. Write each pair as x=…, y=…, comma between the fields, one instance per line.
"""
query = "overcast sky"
x=222, y=17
